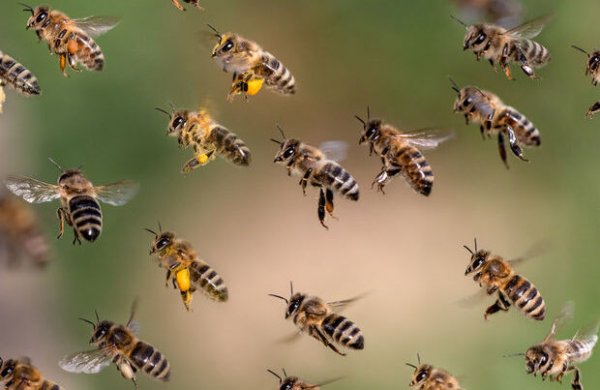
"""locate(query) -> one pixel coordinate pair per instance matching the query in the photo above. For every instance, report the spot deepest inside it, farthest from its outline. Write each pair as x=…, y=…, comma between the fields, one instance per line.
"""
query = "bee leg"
x=62, y=62
x=506, y=70
x=316, y=333
x=198, y=161
x=493, y=64
x=178, y=5
x=593, y=109
x=500, y=304
x=329, y=203
x=467, y=121
x=492, y=289
x=304, y=181
x=514, y=145
x=321, y=209
x=169, y=277
x=576, y=384
x=502, y=149
x=61, y=214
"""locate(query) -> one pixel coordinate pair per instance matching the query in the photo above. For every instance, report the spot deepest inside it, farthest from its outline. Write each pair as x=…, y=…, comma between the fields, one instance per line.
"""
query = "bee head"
x=478, y=258
x=162, y=241
x=476, y=38
x=177, y=122
x=226, y=44
x=371, y=128
x=7, y=368
x=594, y=61
x=287, y=148
x=422, y=372
x=285, y=383
x=293, y=304
x=101, y=330
x=535, y=358
x=38, y=18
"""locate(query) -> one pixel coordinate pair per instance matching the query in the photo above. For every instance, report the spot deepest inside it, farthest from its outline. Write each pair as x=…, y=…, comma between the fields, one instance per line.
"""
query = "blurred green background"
x=257, y=230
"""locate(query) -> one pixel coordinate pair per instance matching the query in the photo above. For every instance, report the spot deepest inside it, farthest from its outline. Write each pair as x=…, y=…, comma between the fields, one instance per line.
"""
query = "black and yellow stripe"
x=204, y=278
x=526, y=297
x=86, y=217
x=413, y=165
x=277, y=76
x=148, y=359
x=527, y=134
x=532, y=53
x=230, y=146
x=17, y=76
x=333, y=175
x=343, y=331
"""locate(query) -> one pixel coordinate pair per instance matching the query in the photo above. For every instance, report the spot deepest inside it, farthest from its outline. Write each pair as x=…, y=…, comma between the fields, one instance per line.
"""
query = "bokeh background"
x=254, y=226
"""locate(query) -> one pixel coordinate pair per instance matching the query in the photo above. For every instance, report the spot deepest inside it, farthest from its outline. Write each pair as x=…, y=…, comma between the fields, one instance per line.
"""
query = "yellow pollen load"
x=183, y=279
x=202, y=158
x=254, y=86
x=2, y=98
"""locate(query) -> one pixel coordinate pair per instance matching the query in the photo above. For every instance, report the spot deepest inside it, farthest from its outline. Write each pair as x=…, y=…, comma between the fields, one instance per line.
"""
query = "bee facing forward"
x=427, y=377
x=496, y=118
x=118, y=344
x=78, y=197
x=592, y=68
x=186, y=271
x=497, y=275
x=399, y=153
x=295, y=383
x=252, y=67
x=71, y=39
x=21, y=375
x=16, y=76
x=195, y=3
x=208, y=138
x=318, y=319
x=501, y=46
x=314, y=168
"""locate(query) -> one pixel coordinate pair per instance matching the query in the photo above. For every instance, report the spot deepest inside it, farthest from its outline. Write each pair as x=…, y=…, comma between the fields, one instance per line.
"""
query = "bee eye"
x=478, y=263
x=288, y=153
x=543, y=359
x=227, y=46
x=163, y=243
x=468, y=101
x=480, y=38
x=371, y=132
x=594, y=62
x=178, y=122
x=41, y=17
x=421, y=376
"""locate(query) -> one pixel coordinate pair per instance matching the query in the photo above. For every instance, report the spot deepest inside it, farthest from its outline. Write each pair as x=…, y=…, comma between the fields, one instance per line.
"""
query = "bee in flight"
x=78, y=197
x=295, y=383
x=501, y=46
x=592, y=68
x=22, y=375
x=16, y=76
x=120, y=345
x=70, y=39
x=554, y=358
x=20, y=234
x=496, y=118
x=399, y=153
x=207, y=137
x=252, y=67
x=427, y=377
x=315, y=168
x=186, y=271
x=195, y=3
x=319, y=319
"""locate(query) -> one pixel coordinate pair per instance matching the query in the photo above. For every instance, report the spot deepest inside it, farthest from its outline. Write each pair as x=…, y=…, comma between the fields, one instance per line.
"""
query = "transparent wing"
x=334, y=150
x=117, y=194
x=428, y=139
x=565, y=315
x=338, y=306
x=135, y=327
x=531, y=29
x=588, y=334
x=32, y=190
x=97, y=25
x=88, y=362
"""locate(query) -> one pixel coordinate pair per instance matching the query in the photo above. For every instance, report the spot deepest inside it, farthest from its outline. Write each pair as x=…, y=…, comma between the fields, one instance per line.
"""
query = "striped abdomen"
x=526, y=297
x=414, y=167
x=86, y=217
x=581, y=349
x=148, y=359
x=205, y=278
x=276, y=75
x=527, y=134
x=332, y=175
x=17, y=76
x=230, y=146
x=81, y=47
x=532, y=53
x=343, y=331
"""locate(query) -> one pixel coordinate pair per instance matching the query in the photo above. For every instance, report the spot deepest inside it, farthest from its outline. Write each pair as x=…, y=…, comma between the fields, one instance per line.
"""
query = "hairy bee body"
x=17, y=76
x=21, y=375
x=427, y=377
x=293, y=383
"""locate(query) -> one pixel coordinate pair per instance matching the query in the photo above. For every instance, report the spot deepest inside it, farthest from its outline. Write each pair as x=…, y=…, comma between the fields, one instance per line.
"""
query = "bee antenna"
x=514, y=354
x=411, y=365
x=97, y=316
x=217, y=33
x=277, y=375
x=284, y=373
x=159, y=227
x=368, y=113
x=134, y=307
x=151, y=231
x=454, y=87
x=280, y=297
x=161, y=110
x=469, y=249
x=419, y=358
x=361, y=120
x=281, y=131
x=277, y=142
x=27, y=8
x=475, y=241
x=580, y=49
x=292, y=288
x=88, y=321
x=57, y=165
x=458, y=20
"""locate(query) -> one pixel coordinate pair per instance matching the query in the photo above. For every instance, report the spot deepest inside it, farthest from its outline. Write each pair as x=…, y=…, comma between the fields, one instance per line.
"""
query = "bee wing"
x=32, y=190
x=565, y=315
x=531, y=29
x=334, y=150
x=323, y=383
x=338, y=306
x=428, y=139
x=588, y=334
x=97, y=25
x=117, y=194
x=87, y=362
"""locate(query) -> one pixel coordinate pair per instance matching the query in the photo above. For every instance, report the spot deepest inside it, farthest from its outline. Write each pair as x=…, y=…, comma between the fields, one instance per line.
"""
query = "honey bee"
x=427, y=377
x=502, y=12
x=71, y=39
x=21, y=375
x=120, y=345
x=316, y=169
x=78, y=197
x=501, y=46
x=497, y=275
x=186, y=271
x=252, y=67
x=20, y=233
x=195, y=3
x=318, y=319
x=399, y=153
x=496, y=118
x=295, y=383
x=18, y=77
x=592, y=67
x=208, y=138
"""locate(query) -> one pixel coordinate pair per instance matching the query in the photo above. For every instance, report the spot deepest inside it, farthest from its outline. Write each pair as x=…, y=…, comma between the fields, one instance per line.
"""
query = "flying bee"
x=71, y=39
x=319, y=319
x=78, y=197
x=592, y=67
x=207, y=137
x=295, y=383
x=16, y=76
x=20, y=233
x=22, y=375
x=496, y=118
x=316, y=169
x=497, y=275
x=195, y=3
x=501, y=46
x=427, y=377
x=186, y=271
x=120, y=345
x=252, y=67
x=399, y=153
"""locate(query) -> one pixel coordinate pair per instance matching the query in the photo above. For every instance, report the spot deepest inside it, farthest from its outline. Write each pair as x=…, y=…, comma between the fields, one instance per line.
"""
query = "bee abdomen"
x=88, y=52
x=526, y=297
x=415, y=168
x=580, y=350
x=231, y=146
x=86, y=216
x=18, y=76
x=209, y=281
x=145, y=357
x=527, y=134
x=534, y=53
x=278, y=76
x=333, y=175
x=343, y=331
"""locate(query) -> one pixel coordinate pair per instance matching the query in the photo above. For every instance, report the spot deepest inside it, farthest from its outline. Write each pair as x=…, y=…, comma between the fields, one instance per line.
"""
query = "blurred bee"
x=495, y=117
x=78, y=197
x=120, y=345
x=554, y=358
x=427, y=377
x=252, y=67
x=195, y=3
x=316, y=169
x=71, y=39
x=208, y=138
x=20, y=232
x=501, y=46
x=593, y=110
x=399, y=153
x=18, y=77
x=294, y=383
x=186, y=271
x=318, y=319
x=497, y=275
x=21, y=375
x=501, y=12
x=592, y=67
